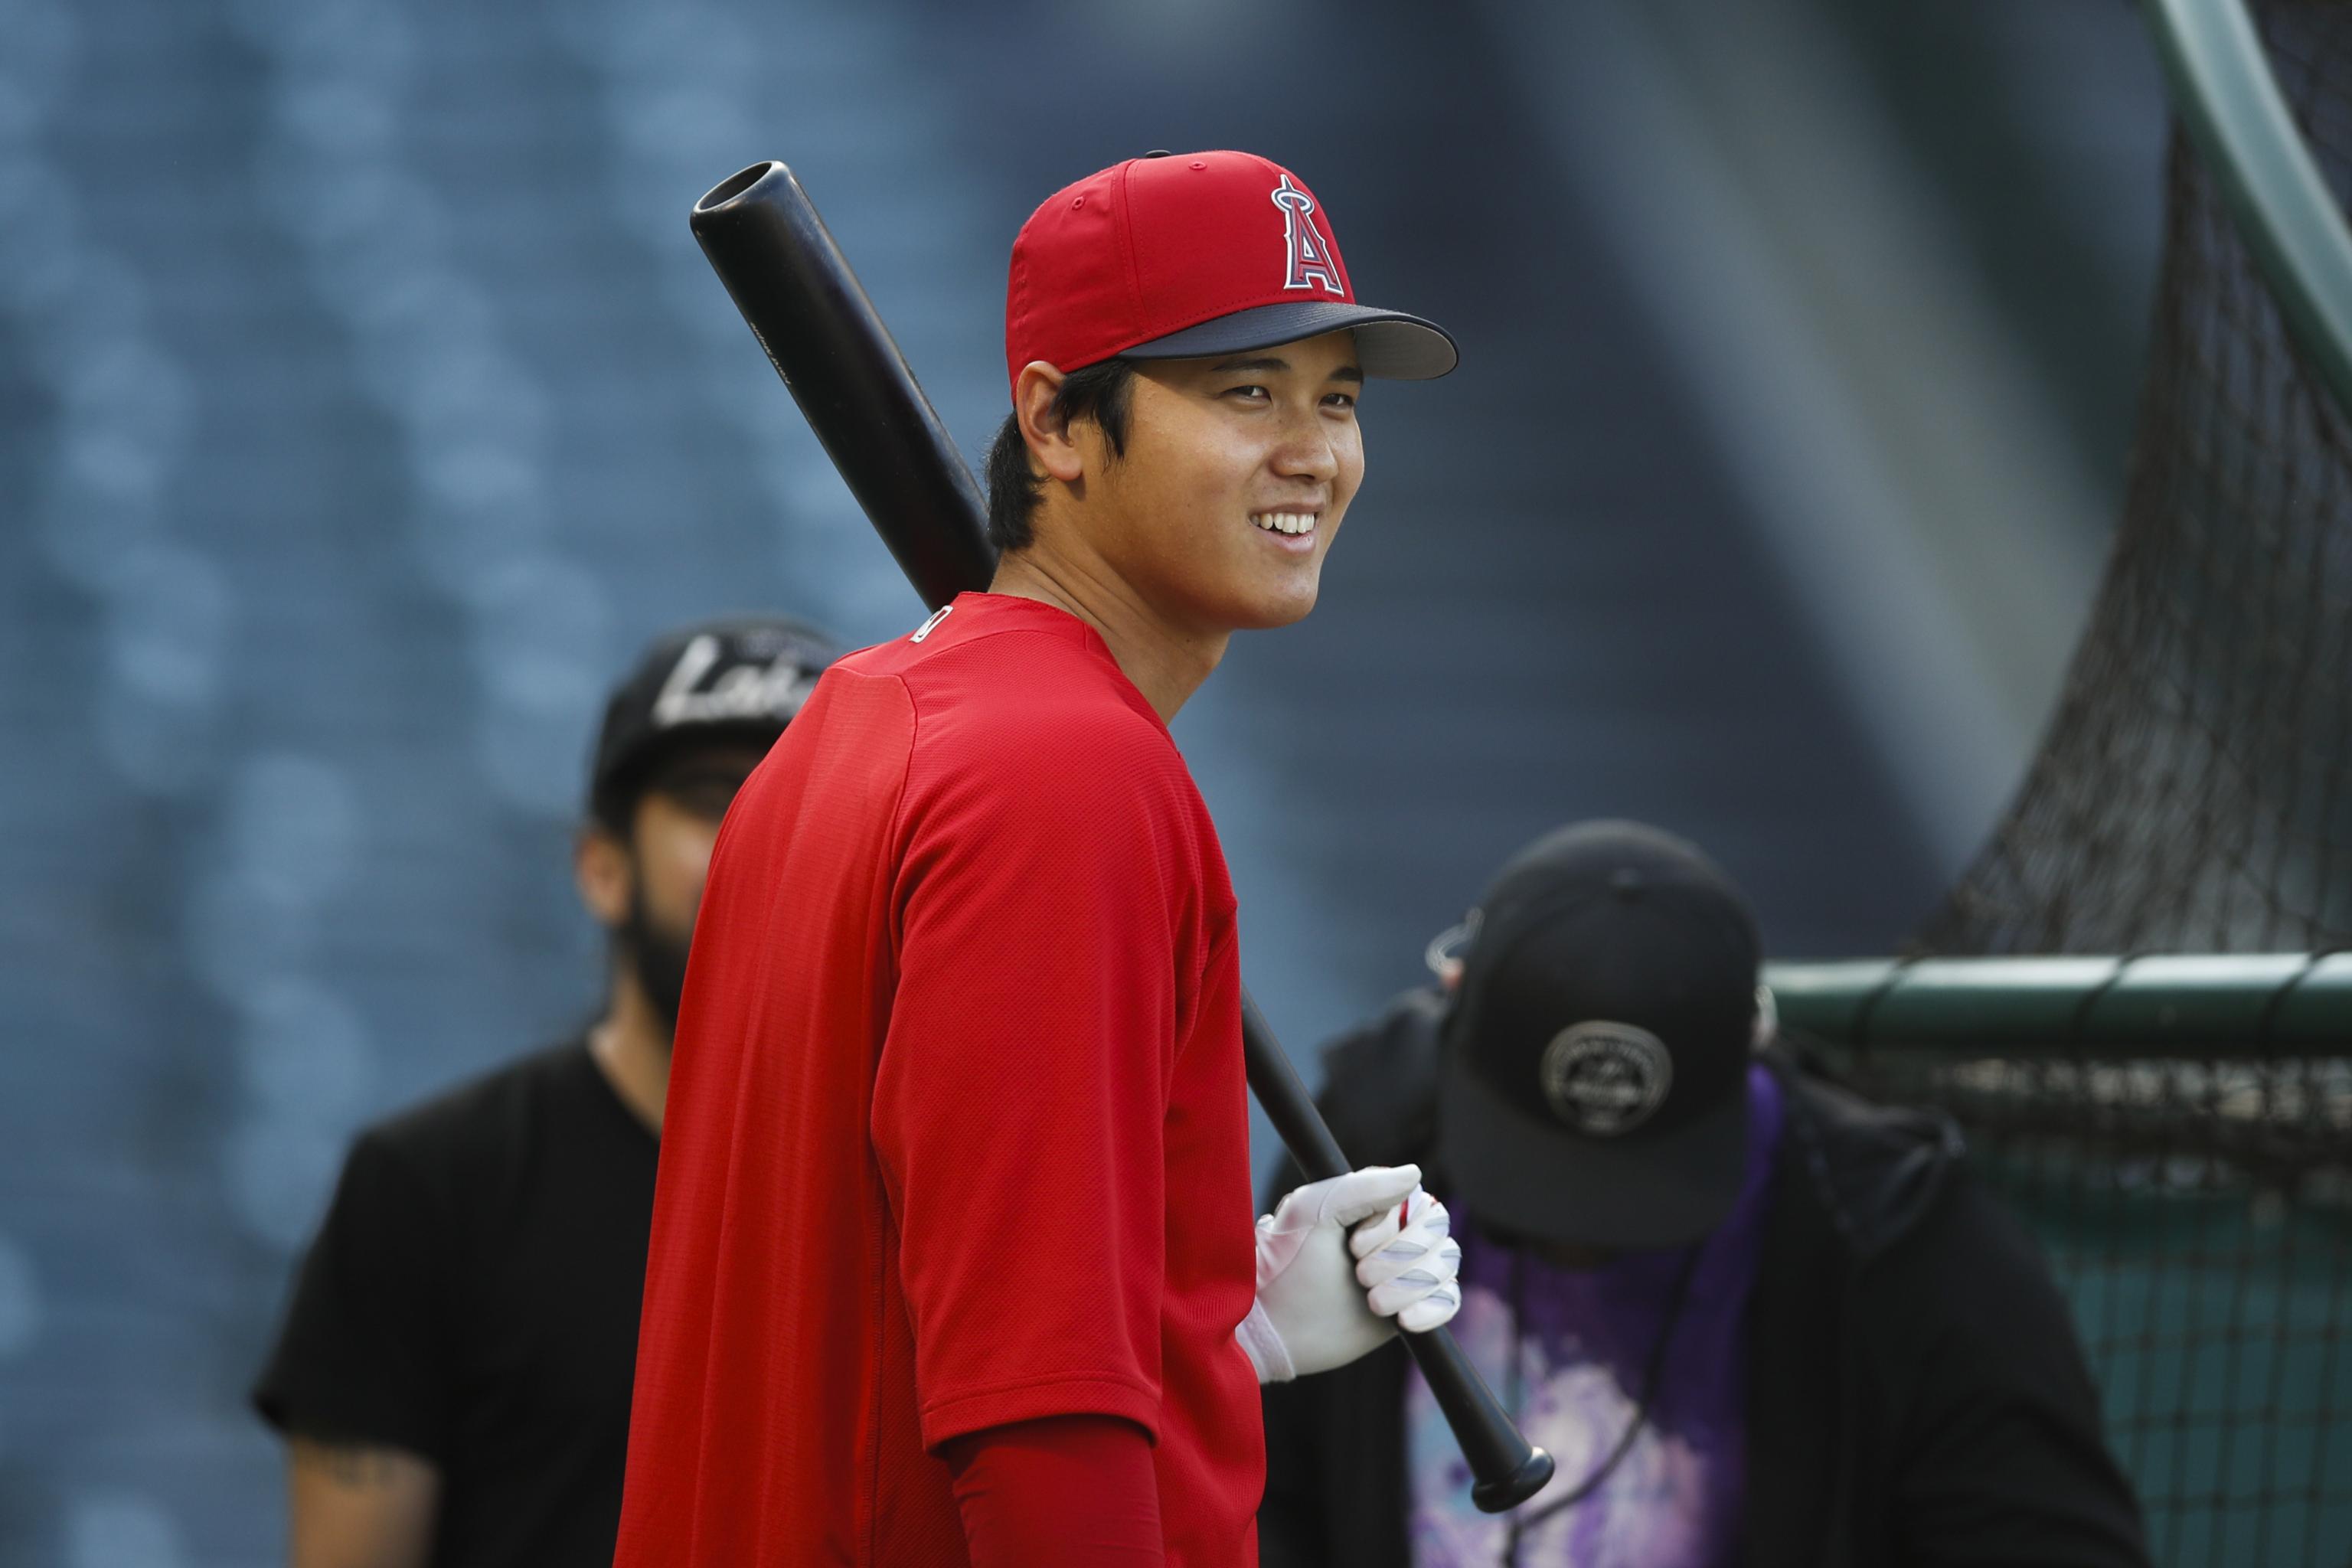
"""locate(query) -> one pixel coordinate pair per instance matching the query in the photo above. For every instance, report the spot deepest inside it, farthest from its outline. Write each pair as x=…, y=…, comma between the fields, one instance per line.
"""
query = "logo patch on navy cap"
x=1604, y=1079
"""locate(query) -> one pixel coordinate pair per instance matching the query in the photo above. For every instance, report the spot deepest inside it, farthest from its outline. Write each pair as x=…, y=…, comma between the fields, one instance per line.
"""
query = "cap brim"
x=1389, y=345
x=1522, y=1172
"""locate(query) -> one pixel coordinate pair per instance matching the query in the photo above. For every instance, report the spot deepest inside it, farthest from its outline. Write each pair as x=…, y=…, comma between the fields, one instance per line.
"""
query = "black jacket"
x=1916, y=1393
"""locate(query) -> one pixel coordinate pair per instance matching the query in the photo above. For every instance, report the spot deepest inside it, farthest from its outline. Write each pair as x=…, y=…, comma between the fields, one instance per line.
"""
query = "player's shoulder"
x=993, y=675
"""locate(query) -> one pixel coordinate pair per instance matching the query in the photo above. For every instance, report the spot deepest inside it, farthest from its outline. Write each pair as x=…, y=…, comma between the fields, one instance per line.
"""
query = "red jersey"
x=957, y=1132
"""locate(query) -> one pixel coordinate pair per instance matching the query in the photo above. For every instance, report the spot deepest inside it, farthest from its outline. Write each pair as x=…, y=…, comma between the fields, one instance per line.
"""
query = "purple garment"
x=1676, y=1498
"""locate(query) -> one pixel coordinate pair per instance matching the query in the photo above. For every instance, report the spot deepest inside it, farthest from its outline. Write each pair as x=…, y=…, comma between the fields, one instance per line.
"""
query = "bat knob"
x=1507, y=1492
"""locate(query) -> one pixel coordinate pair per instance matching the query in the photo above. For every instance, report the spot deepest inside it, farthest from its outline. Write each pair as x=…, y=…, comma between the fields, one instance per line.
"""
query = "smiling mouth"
x=1290, y=522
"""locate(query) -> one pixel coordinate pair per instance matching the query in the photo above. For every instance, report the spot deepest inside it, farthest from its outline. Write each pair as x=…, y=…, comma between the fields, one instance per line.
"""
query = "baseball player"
x=952, y=1258
x=453, y=1375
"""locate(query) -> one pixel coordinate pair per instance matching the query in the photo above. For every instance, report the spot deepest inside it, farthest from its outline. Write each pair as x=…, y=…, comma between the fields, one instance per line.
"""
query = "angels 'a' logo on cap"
x=1603, y=1079
x=1310, y=259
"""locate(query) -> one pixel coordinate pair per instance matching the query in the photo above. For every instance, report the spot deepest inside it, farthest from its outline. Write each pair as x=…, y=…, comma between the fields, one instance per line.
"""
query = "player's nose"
x=1306, y=450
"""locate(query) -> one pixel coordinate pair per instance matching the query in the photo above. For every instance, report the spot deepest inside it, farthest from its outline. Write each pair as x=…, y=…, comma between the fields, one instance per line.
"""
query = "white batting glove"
x=1326, y=1296
x=1409, y=1264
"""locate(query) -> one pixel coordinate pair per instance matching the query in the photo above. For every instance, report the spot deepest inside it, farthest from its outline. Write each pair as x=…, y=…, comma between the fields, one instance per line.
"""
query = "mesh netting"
x=2194, y=794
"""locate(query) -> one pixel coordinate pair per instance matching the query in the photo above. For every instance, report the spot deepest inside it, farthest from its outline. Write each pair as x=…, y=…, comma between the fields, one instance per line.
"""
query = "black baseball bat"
x=768, y=245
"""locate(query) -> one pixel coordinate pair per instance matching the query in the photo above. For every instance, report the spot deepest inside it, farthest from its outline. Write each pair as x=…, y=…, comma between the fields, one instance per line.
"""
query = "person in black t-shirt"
x=453, y=1373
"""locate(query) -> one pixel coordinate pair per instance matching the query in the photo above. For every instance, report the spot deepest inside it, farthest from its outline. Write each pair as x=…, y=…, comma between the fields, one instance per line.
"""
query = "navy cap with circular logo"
x=738, y=680
x=1593, y=1088
x=1605, y=1080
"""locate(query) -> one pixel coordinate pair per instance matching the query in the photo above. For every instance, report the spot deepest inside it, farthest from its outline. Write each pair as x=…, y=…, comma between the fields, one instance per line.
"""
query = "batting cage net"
x=2194, y=795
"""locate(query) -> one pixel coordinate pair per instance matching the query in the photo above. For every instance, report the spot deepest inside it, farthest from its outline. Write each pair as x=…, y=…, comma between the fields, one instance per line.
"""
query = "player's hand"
x=1409, y=1264
x=1340, y=1264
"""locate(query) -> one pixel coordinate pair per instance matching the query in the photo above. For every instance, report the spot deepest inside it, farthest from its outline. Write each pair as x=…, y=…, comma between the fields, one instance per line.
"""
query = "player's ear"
x=1047, y=434
x=601, y=871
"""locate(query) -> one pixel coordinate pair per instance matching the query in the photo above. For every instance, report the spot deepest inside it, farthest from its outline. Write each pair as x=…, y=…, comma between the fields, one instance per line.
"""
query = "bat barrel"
x=765, y=240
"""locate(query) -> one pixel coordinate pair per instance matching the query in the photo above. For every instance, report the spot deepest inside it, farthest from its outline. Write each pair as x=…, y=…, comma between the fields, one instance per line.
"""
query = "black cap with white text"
x=737, y=679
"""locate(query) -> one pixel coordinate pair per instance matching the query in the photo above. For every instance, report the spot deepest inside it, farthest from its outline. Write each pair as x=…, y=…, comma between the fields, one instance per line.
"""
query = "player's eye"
x=707, y=801
x=1253, y=393
x=1339, y=399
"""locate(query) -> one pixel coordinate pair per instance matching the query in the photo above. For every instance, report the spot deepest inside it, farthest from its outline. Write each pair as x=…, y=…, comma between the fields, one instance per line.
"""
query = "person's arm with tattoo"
x=355, y=1507
x=359, y=1381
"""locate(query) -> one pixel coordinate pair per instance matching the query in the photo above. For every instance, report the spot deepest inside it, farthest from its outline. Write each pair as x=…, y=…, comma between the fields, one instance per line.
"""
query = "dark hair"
x=1098, y=392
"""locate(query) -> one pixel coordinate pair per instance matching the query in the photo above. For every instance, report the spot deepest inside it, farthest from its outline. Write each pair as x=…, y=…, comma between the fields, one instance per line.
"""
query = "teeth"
x=1284, y=521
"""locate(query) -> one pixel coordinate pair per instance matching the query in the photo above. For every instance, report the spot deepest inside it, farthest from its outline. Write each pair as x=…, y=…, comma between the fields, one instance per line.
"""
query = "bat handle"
x=1507, y=1468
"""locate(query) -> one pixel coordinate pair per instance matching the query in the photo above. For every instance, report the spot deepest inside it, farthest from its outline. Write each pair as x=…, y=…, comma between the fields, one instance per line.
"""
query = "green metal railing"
x=2174, y=1130
x=2157, y=1004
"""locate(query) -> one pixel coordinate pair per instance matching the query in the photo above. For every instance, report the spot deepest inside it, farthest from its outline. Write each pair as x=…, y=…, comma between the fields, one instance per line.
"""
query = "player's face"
x=646, y=889
x=675, y=830
x=677, y=823
x=1237, y=473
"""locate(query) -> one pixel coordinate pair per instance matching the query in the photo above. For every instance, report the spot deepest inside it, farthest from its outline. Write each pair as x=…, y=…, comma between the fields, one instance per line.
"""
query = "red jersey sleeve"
x=1068, y=1492
x=1045, y=902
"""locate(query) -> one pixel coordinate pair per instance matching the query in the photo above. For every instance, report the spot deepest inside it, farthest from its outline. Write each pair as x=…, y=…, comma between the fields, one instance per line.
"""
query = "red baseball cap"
x=1179, y=255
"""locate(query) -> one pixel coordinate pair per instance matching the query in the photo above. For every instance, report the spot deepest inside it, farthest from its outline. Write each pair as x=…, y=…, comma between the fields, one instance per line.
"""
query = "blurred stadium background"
x=364, y=403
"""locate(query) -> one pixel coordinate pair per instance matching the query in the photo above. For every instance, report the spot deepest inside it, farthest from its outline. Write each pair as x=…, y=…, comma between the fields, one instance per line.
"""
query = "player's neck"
x=631, y=1045
x=1166, y=661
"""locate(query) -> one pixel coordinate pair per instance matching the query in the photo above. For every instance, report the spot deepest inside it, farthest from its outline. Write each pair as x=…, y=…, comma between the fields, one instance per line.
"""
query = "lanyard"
x=1528, y=1518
